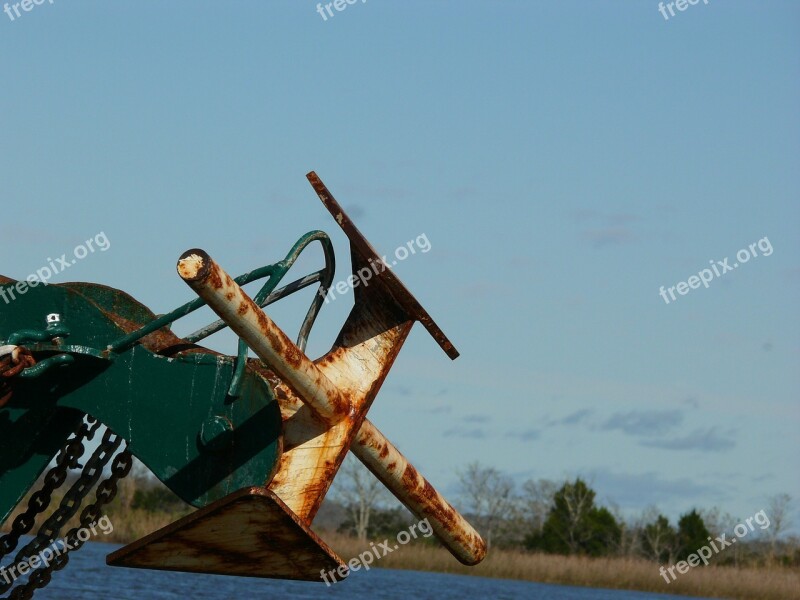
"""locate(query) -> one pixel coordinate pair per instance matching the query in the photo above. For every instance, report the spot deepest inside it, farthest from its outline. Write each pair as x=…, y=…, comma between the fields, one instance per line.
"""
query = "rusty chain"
x=13, y=360
x=50, y=530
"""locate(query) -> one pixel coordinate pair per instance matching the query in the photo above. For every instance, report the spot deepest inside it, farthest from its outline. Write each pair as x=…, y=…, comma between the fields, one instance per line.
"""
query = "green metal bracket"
x=205, y=424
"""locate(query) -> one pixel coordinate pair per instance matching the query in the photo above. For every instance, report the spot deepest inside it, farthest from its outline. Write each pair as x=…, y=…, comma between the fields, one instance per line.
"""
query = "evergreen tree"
x=575, y=525
x=692, y=534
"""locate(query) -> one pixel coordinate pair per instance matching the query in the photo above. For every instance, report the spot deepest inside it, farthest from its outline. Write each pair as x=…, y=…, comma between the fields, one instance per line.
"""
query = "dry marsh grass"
x=616, y=573
x=127, y=527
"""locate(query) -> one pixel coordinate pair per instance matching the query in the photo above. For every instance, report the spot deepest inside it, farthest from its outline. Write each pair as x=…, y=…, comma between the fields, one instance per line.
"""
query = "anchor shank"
x=267, y=340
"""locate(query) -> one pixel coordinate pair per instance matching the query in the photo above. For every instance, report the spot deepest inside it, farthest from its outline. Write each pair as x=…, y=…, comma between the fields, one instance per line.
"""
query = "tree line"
x=565, y=517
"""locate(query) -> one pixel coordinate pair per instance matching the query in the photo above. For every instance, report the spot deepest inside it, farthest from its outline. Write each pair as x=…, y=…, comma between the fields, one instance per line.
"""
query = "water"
x=87, y=577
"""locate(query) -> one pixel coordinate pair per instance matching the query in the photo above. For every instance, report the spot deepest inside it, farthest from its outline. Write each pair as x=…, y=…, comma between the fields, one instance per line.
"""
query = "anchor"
x=252, y=443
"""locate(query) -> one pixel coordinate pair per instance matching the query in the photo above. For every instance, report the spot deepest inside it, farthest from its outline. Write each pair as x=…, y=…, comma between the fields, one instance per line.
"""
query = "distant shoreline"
x=778, y=583
x=620, y=573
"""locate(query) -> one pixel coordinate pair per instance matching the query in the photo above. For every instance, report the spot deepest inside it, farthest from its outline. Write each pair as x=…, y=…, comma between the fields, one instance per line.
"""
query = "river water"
x=87, y=577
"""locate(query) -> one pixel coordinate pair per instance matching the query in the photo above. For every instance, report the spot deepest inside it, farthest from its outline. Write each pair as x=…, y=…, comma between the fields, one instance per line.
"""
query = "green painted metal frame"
x=205, y=424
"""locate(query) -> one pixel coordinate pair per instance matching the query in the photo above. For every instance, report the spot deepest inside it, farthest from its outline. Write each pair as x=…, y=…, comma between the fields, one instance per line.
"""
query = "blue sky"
x=565, y=160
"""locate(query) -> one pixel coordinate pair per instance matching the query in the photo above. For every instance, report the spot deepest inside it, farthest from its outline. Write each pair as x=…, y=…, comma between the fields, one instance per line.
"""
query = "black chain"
x=66, y=459
x=71, y=503
x=51, y=528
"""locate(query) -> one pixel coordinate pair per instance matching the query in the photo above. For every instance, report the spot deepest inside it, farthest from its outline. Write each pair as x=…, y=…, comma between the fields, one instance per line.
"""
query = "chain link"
x=50, y=530
x=71, y=503
x=12, y=364
x=66, y=459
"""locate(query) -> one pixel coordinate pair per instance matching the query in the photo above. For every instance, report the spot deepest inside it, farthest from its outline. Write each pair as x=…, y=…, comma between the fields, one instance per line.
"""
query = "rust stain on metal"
x=324, y=403
x=163, y=341
x=249, y=533
x=362, y=355
x=385, y=278
x=419, y=496
x=191, y=265
x=11, y=365
x=265, y=338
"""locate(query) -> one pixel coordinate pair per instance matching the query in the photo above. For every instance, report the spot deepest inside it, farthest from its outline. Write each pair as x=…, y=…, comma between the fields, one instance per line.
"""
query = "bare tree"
x=359, y=491
x=778, y=513
x=658, y=538
x=629, y=542
x=718, y=522
x=536, y=501
x=488, y=494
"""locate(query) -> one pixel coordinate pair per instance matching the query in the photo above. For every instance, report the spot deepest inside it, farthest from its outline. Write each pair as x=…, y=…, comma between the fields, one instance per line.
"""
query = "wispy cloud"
x=644, y=422
x=529, y=435
x=576, y=418
x=705, y=441
x=477, y=433
x=636, y=491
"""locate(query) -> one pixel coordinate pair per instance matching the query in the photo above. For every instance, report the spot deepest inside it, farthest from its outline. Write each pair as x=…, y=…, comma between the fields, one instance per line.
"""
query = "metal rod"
x=324, y=276
x=389, y=465
x=278, y=294
x=266, y=339
x=129, y=340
